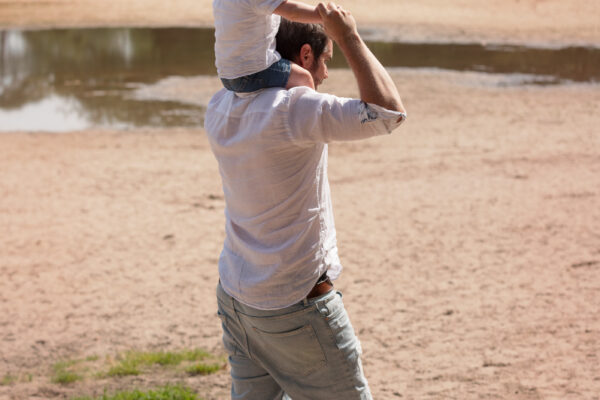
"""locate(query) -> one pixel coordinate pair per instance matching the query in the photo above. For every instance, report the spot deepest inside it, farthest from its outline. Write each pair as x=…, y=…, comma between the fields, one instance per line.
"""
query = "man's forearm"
x=374, y=83
x=298, y=12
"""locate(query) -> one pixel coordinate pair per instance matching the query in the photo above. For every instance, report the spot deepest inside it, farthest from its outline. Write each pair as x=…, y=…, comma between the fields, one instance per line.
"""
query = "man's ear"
x=306, y=56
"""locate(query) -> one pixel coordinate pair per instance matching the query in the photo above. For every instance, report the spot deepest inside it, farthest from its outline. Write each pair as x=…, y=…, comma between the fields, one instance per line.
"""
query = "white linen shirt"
x=272, y=154
x=245, y=33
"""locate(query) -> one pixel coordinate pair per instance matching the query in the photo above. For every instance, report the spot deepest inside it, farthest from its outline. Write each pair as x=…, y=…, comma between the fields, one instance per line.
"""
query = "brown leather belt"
x=322, y=287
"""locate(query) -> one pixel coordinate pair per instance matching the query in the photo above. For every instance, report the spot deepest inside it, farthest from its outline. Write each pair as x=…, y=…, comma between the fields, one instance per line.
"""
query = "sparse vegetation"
x=191, y=362
x=132, y=362
x=164, y=393
x=204, y=369
x=7, y=379
x=64, y=374
x=124, y=368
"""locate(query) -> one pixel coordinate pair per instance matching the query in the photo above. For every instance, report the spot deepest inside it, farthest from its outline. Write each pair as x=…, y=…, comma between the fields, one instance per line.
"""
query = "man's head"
x=307, y=45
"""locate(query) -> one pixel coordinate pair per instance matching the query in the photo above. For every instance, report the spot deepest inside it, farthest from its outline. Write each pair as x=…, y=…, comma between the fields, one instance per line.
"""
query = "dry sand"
x=470, y=237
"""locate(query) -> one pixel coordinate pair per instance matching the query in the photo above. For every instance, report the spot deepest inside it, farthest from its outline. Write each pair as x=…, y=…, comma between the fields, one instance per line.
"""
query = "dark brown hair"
x=293, y=35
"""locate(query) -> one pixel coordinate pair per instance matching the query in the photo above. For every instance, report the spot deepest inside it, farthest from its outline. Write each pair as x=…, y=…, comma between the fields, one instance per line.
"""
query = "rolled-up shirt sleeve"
x=318, y=117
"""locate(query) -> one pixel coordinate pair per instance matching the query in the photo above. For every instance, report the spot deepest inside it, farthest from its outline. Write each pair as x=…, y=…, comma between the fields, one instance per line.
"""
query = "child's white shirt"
x=245, y=36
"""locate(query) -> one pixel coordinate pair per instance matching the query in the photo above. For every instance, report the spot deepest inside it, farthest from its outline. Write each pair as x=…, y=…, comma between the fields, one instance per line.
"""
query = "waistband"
x=302, y=306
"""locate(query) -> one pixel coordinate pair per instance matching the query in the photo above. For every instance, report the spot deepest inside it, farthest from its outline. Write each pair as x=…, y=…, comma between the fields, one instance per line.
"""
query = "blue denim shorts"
x=307, y=351
x=276, y=75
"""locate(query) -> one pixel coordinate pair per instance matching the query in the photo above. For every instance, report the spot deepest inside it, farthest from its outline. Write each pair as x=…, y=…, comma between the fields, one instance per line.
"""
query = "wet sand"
x=470, y=237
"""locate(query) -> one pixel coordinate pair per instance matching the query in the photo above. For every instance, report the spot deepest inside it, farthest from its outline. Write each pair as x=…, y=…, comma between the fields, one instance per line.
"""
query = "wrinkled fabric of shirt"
x=245, y=33
x=271, y=147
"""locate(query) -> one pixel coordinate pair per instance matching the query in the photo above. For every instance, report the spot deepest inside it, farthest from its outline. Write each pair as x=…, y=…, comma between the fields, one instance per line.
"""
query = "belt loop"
x=305, y=301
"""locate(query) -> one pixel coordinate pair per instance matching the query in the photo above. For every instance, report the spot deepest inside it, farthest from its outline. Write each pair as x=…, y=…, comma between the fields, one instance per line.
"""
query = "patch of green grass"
x=66, y=377
x=194, y=362
x=124, y=369
x=195, y=355
x=203, y=369
x=131, y=362
x=69, y=371
x=63, y=373
x=164, y=393
x=160, y=358
x=8, y=379
x=64, y=364
x=169, y=357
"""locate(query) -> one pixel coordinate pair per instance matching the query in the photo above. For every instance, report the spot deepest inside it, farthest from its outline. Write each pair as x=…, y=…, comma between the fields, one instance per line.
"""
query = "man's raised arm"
x=374, y=83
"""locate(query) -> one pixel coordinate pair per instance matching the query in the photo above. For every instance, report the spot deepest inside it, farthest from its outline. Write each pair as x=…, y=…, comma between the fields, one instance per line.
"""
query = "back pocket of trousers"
x=295, y=352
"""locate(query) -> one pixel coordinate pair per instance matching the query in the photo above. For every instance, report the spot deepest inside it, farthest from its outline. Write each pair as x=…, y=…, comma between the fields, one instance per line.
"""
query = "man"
x=285, y=330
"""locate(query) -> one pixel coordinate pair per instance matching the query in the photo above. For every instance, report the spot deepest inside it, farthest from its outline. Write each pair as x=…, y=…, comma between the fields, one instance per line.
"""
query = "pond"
x=69, y=79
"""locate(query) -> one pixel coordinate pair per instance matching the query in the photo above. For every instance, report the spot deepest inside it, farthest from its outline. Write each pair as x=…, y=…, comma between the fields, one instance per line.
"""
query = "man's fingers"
x=334, y=7
x=337, y=21
x=322, y=10
x=330, y=8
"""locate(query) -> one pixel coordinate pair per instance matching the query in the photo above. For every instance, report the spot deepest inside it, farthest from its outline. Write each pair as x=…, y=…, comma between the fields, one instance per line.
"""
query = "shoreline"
x=548, y=23
x=368, y=33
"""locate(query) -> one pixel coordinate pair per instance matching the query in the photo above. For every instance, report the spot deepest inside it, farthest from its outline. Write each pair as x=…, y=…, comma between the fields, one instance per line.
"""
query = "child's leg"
x=283, y=73
x=299, y=77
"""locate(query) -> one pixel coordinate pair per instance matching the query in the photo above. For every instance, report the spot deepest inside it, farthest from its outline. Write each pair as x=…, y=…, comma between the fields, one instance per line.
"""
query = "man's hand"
x=298, y=12
x=374, y=83
x=339, y=24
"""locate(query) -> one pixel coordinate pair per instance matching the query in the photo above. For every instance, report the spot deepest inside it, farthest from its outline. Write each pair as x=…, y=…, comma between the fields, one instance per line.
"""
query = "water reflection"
x=94, y=73
x=51, y=114
x=99, y=68
x=577, y=64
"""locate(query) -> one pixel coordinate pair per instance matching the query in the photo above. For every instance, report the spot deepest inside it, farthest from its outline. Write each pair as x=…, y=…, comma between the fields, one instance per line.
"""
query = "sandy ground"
x=470, y=237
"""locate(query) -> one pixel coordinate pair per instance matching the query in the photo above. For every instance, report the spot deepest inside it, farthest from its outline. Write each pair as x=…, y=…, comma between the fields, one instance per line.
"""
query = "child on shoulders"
x=245, y=53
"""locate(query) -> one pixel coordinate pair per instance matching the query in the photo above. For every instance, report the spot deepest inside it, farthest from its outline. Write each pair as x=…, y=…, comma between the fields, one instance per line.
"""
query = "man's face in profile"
x=318, y=69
